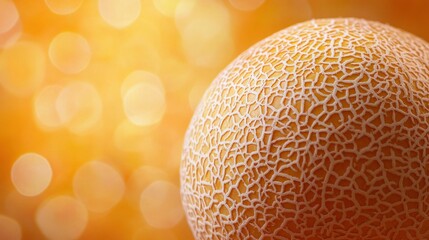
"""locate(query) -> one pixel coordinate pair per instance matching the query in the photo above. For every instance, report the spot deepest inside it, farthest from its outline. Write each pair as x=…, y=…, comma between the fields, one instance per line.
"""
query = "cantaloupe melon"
x=320, y=131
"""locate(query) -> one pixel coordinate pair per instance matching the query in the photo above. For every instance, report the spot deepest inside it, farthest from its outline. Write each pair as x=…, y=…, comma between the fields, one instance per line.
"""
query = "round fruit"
x=320, y=131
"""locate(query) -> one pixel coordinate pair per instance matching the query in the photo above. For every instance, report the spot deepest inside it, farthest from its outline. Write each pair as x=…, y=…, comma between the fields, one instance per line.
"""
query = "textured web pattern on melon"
x=320, y=131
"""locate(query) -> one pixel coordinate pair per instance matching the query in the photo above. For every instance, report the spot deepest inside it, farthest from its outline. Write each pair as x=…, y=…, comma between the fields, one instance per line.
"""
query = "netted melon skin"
x=320, y=131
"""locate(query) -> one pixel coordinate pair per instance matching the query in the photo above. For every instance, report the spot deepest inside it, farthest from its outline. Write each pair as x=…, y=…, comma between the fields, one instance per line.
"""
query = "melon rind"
x=320, y=131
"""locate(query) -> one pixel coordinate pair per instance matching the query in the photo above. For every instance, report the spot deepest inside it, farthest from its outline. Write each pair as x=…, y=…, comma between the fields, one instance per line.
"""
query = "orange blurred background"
x=96, y=95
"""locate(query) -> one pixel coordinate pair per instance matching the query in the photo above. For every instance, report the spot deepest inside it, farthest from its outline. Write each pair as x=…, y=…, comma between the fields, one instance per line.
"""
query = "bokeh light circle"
x=143, y=100
x=70, y=52
x=63, y=7
x=79, y=106
x=10, y=229
x=98, y=185
x=9, y=15
x=141, y=178
x=196, y=93
x=140, y=76
x=9, y=38
x=45, y=107
x=31, y=174
x=205, y=48
x=22, y=68
x=160, y=205
x=166, y=7
x=62, y=217
x=205, y=28
x=119, y=13
x=212, y=13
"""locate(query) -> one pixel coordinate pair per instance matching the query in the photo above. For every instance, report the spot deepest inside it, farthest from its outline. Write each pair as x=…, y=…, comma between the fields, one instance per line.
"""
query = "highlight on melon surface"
x=320, y=131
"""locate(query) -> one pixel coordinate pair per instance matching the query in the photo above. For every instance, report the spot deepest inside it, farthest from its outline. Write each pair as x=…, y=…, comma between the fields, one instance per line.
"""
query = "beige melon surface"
x=320, y=131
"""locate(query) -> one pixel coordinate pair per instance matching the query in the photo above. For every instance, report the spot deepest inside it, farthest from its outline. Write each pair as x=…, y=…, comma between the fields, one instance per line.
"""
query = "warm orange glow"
x=96, y=96
x=22, y=68
x=246, y=5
